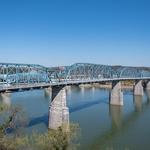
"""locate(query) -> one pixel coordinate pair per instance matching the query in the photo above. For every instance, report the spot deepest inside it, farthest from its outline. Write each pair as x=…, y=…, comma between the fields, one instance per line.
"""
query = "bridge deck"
x=23, y=87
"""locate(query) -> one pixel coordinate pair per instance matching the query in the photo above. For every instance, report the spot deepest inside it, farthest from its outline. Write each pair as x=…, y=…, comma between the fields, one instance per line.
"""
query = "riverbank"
x=106, y=86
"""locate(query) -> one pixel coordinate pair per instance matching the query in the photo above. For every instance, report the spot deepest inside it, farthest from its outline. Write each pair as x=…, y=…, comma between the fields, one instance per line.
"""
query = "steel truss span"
x=80, y=71
x=31, y=73
x=22, y=73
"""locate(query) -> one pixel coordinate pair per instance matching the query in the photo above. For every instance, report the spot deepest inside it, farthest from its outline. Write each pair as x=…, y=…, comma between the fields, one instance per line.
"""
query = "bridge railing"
x=66, y=82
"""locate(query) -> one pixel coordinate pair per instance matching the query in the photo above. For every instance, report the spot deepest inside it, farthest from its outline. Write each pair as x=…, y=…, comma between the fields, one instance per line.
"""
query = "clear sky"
x=63, y=32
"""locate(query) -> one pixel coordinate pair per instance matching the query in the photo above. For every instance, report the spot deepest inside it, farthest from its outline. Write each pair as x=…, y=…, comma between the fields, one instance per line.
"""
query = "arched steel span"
x=32, y=73
x=94, y=71
x=23, y=73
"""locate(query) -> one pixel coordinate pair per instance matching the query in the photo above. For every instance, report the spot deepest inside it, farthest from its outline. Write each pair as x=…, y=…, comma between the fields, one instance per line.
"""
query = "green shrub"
x=60, y=139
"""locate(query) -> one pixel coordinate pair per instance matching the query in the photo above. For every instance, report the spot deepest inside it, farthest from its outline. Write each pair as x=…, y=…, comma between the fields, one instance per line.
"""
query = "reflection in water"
x=138, y=103
x=101, y=142
x=148, y=94
x=116, y=116
x=68, y=90
x=82, y=90
x=93, y=92
x=120, y=124
x=5, y=98
x=101, y=125
x=93, y=89
x=47, y=93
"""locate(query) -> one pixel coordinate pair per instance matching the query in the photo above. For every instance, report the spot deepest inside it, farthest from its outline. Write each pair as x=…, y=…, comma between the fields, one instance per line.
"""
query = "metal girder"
x=31, y=73
x=22, y=73
x=80, y=71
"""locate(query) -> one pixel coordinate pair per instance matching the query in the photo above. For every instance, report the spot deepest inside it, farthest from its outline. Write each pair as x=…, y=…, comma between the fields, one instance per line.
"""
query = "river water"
x=102, y=126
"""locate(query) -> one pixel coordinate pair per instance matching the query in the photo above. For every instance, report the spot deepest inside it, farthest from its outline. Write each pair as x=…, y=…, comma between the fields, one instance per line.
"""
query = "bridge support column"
x=58, y=110
x=116, y=95
x=148, y=85
x=138, y=88
x=148, y=91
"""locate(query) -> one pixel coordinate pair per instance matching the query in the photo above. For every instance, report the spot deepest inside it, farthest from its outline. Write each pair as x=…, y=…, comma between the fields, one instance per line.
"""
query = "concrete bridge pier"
x=148, y=90
x=148, y=86
x=58, y=110
x=138, y=88
x=116, y=95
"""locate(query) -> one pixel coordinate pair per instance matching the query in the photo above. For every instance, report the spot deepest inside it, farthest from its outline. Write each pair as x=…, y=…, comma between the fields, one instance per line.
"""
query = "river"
x=102, y=126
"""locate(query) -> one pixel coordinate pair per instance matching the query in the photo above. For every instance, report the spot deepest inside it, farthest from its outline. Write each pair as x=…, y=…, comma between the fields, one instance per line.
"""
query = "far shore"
x=106, y=86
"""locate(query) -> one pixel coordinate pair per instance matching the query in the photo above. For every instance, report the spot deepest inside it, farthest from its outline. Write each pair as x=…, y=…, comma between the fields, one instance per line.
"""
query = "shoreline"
x=105, y=86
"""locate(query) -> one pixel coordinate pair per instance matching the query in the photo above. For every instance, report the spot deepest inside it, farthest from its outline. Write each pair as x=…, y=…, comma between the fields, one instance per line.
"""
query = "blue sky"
x=62, y=32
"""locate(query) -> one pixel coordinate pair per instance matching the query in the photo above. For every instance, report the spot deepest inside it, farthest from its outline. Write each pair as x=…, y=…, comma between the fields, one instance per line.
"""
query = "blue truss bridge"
x=29, y=74
x=22, y=77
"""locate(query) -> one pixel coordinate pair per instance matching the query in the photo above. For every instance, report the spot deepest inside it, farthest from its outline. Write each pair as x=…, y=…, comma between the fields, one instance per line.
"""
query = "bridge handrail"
x=34, y=85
